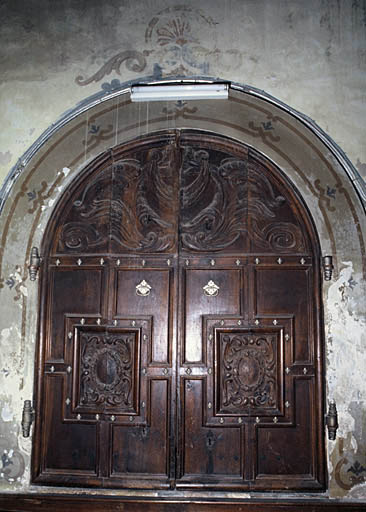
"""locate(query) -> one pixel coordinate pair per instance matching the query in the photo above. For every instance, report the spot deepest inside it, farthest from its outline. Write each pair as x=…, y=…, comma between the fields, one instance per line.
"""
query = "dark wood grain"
x=180, y=340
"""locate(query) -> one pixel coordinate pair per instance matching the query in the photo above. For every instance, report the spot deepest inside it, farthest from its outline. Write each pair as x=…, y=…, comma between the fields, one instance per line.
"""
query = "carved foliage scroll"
x=87, y=224
x=127, y=208
x=144, y=209
x=107, y=370
x=248, y=371
x=231, y=203
x=220, y=199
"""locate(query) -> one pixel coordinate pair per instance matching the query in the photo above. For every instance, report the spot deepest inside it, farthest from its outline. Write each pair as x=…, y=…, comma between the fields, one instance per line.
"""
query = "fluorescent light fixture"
x=179, y=92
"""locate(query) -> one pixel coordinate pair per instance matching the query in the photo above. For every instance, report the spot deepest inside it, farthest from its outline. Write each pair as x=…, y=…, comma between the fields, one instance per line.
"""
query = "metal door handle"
x=143, y=289
x=211, y=289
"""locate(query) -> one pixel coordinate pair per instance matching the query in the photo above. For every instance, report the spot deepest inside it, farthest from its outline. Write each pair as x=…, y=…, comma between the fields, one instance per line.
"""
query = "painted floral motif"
x=180, y=109
x=355, y=474
x=173, y=37
x=174, y=47
x=176, y=31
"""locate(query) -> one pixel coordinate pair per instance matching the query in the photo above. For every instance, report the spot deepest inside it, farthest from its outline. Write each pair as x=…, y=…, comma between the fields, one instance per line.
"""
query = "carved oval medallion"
x=250, y=371
x=106, y=368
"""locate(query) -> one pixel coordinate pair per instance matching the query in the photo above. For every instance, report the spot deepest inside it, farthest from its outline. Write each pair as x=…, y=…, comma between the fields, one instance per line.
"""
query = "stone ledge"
x=91, y=503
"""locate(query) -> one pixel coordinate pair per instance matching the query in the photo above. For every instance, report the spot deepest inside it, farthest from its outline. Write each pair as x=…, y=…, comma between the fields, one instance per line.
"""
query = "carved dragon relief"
x=134, y=207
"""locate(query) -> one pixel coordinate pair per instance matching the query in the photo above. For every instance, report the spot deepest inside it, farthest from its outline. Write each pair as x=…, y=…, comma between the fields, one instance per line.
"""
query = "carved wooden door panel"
x=180, y=324
x=249, y=350
x=106, y=401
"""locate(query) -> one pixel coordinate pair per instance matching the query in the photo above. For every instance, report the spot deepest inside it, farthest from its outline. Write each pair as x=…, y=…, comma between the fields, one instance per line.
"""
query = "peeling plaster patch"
x=12, y=465
x=5, y=158
x=6, y=413
x=347, y=335
x=14, y=277
x=359, y=491
x=361, y=168
x=24, y=290
x=48, y=205
x=10, y=357
x=346, y=424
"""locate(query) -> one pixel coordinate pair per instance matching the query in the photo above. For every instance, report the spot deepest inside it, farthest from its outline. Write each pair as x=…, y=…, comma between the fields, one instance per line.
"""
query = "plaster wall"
x=311, y=55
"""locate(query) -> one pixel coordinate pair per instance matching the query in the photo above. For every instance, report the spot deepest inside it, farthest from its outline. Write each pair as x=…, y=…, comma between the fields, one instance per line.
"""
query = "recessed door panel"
x=75, y=447
x=148, y=291
x=207, y=291
x=85, y=287
x=209, y=451
x=286, y=290
x=280, y=454
x=143, y=449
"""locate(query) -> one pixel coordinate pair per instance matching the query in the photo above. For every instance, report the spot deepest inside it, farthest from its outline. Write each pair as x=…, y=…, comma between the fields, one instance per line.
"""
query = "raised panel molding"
x=107, y=370
x=247, y=371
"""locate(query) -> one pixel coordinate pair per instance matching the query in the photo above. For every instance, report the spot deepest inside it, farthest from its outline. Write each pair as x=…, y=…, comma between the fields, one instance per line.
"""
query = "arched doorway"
x=180, y=327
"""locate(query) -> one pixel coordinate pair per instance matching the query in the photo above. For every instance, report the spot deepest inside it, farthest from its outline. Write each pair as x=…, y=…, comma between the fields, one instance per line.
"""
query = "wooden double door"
x=180, y=324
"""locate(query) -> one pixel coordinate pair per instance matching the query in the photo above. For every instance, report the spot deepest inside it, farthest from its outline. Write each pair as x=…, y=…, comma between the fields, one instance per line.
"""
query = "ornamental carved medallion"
x=107, y=368
x=247, y=371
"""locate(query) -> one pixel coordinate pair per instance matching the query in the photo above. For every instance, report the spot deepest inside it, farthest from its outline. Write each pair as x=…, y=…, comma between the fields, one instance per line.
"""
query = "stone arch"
x=331, y=187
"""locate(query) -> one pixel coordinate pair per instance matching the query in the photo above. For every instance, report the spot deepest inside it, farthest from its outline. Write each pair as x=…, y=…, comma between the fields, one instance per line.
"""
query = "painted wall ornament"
x=173, y=39
x=135, y=61
x=348, y=474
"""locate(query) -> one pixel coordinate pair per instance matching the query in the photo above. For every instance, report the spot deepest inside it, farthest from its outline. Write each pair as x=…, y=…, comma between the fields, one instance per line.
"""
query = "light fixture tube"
x=179, y=92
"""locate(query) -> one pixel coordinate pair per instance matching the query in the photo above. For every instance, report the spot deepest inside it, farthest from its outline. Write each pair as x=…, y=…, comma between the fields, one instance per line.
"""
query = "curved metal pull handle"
x=143, y=289
x=211, y=289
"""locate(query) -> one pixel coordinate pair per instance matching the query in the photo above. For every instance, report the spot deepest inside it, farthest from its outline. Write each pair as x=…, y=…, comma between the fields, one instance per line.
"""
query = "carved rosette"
x=107, y=370
x=248, y=372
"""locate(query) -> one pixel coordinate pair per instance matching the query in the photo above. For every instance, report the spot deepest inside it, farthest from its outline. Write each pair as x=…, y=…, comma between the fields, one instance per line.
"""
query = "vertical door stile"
x=175, y=322
x=180, y=327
